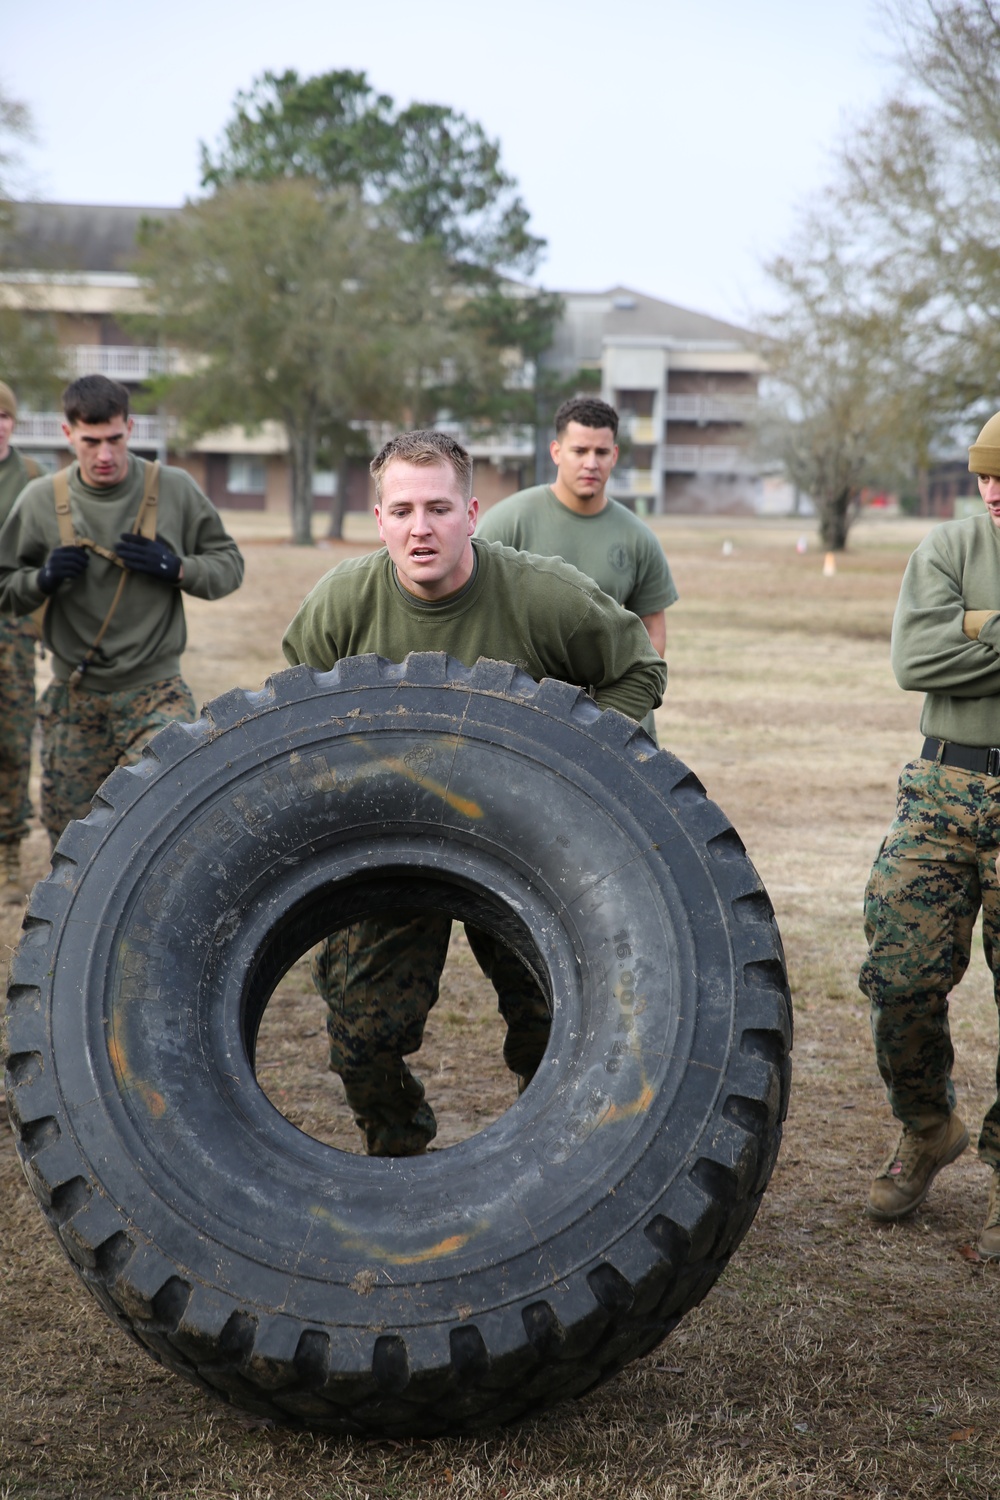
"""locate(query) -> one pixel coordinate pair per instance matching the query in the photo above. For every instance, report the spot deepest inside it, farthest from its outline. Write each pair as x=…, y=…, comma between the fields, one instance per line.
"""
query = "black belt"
x=984, y=760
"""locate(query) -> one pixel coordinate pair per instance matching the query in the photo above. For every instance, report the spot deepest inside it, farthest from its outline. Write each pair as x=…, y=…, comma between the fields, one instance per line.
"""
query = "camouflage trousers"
x=85, y=735
x=380, y=978
x=17, y=722
x=934, y=871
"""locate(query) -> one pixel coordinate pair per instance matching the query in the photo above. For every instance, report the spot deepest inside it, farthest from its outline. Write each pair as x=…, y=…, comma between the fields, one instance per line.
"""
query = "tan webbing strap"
x=88, y=656
x=60, y=490
x=67, y=538
x=144, y=524
x=145, y=521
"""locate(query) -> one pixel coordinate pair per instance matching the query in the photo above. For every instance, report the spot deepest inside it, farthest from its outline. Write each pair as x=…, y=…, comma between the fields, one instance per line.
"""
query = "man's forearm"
x=974, y=620
x=19, y=591
x=214, y=572
x=656, y=629
x=638, y=690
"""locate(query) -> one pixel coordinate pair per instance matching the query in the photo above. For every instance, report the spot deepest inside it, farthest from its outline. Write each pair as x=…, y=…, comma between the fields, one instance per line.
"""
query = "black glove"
x=142, y=555
x=61, y=563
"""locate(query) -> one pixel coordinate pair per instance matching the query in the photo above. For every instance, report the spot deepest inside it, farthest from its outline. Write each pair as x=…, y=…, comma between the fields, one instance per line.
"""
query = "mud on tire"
x=423, y=1295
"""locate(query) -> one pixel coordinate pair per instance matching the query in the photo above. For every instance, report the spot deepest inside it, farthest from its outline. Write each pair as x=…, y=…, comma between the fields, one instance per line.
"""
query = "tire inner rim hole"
x=460, y=1060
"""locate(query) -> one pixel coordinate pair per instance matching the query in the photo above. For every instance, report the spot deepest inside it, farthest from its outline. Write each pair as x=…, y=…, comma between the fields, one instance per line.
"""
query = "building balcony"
x=639, y=482
x=125, y=362
x=641, y=430
x=710, y=408
x=706, y=458
x=496, y=445
x=43, y=429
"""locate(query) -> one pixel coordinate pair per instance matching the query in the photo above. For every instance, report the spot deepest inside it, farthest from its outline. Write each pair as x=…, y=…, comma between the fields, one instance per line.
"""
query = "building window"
x=245, y=475
x=324, y=482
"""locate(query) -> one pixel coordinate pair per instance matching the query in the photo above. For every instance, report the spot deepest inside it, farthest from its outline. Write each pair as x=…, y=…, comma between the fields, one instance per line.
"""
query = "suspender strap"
x=144, y=524
x=60, y=488
x=67, y=537
x=88, y=656
x=145, y=521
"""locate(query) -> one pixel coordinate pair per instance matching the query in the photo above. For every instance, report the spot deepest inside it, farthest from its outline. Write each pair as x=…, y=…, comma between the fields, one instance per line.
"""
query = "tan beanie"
x=984, y=455
x=8, y=401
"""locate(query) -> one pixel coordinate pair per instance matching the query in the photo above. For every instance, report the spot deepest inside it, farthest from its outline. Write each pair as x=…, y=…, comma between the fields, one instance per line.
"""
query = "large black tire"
x=420, y=1295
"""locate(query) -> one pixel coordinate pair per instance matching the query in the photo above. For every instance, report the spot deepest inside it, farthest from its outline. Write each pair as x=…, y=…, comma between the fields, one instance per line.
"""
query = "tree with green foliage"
x=30, y=357
x=15, y=127
x=432, y=172
x=506, y=385
x=437, y=178
x=299, y=304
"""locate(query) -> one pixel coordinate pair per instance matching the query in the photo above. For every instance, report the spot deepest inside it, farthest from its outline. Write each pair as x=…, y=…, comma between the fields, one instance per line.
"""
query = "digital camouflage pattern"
x=85, y=735
x=380, y=978
x=17, y=723
x=935, y=868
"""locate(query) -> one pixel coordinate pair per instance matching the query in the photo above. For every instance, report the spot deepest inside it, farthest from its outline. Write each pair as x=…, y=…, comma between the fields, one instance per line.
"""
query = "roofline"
x=671, y=341
x=72, y=278
x=146, y=208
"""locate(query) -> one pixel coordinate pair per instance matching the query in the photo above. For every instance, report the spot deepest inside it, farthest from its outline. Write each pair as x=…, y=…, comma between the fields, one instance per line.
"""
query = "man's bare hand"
x=973, y=621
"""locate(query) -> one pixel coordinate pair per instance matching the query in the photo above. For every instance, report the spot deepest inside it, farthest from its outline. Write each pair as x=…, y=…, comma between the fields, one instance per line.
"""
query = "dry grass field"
x=835, y=1358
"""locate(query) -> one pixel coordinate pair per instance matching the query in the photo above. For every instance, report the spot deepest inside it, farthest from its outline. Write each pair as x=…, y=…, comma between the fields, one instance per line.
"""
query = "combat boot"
x=13, y=885
x=989, y=1240
x=905, y=1178
x=389, y=1108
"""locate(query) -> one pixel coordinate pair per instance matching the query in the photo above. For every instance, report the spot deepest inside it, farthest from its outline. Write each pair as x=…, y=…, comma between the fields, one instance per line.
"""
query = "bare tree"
x=918, y=193
x=885, y=335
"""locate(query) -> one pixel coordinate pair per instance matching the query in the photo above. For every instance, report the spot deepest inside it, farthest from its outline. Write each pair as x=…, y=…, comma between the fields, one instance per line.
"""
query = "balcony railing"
x=642, y=430
x=502, y=442
x=633, y=482
x=125, y=362
x=706, y=458
x=710, y=408
x=43, y=429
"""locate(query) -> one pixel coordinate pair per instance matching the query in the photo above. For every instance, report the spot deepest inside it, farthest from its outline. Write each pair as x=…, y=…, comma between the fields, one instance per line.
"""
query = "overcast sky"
x=660, y=143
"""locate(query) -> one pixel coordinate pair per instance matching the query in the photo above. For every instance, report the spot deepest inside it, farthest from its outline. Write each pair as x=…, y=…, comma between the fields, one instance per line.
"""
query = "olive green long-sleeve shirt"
x=14, y=475
x=955, y=568
x=147, y=633
x=538, y=613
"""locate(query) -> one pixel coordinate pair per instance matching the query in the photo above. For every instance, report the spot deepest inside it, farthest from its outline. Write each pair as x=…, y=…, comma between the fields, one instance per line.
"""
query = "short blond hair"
x=423, y=447
x=8, y=401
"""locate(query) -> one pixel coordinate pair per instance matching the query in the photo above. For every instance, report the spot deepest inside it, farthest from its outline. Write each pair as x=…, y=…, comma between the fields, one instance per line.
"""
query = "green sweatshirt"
x=955, y=568
x=536, y=612
x=147, y=634
x=14, y=476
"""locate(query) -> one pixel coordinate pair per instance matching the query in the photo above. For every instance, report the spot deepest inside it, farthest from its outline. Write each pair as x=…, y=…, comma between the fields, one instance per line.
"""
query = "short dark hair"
x=94, y=398
x=423, y=447
x=588, y=411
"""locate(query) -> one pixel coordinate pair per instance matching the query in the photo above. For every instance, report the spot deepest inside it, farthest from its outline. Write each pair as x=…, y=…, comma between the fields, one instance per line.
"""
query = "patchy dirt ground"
x=835, y=1357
